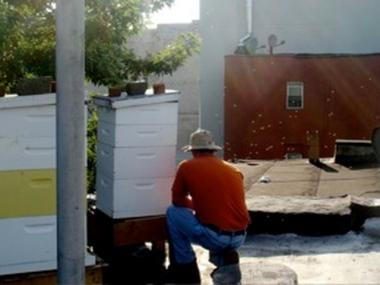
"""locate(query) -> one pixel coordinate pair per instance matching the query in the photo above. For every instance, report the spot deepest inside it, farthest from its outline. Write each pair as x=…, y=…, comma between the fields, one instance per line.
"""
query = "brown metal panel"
x=341, y=101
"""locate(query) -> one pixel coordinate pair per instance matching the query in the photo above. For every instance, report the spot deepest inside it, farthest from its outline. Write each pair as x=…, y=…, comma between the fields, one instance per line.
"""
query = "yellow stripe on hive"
x=25, y=193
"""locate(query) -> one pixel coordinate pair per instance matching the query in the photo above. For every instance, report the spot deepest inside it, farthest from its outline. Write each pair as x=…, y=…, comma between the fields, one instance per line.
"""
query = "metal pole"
x=249, y=16
x=70, y=142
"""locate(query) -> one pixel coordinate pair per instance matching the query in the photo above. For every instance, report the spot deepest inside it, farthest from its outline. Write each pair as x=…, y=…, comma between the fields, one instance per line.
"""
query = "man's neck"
x=202, y=154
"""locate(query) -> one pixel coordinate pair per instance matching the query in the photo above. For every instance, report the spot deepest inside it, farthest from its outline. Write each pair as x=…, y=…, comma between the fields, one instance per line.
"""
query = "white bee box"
x=150, y=110
x=136, y=153
x=133, y=197
x=27, y=146
x=27, y=153
x=27, y=132
x=32, y=101
x=137, y=162
x=29, y=122
x=29, y=245
x=137, y=135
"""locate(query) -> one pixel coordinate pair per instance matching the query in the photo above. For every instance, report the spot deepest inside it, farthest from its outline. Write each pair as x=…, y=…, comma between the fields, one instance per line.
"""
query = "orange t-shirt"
x=216, y=190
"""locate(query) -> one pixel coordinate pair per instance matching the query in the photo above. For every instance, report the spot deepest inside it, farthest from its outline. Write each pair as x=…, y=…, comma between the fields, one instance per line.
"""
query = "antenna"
x=248, y=45
x=272, y=43
x=272, y=40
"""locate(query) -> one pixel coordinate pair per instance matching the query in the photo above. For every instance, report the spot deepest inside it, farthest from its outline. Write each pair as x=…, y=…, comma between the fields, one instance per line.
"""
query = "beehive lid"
x=14, y=101
x=125, y=101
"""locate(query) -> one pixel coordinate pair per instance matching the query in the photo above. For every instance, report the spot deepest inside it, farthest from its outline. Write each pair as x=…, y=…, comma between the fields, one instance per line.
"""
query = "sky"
x=182, y=11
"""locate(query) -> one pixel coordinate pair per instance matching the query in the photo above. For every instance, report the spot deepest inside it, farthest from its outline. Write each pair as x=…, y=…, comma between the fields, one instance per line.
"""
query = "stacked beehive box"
x=27, y=184
x=136, y=154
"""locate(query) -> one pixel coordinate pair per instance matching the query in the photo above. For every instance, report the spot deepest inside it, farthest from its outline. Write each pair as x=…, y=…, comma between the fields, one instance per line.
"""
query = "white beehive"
x=29, y=244
x=27, y=184
x=136, y=154
x=27, y=132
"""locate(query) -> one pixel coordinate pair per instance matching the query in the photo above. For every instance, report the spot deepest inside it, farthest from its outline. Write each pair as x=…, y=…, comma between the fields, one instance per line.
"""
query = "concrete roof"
x=299, y=177
x=336, y=259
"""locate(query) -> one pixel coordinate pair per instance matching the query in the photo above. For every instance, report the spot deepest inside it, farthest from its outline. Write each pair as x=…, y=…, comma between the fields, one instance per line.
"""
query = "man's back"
x=208, y=209
x=217, y=192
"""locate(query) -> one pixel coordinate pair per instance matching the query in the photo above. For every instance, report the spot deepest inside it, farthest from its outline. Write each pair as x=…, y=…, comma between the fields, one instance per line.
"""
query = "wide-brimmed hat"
x=201, y=139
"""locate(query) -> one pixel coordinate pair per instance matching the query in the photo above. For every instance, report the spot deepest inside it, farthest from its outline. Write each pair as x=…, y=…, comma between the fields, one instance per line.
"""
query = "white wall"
x=319, y=26
x=222, y=24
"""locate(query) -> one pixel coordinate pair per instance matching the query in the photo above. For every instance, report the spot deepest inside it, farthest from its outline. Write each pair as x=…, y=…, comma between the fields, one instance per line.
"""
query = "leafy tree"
x=162, y=62
x=109, y=24
x=27, y=47
x=92, y=125
x=11, y=66
x=175, y=54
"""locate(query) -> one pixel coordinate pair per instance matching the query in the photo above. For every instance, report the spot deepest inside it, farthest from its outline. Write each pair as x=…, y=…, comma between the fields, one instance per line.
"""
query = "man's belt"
x=224, y=232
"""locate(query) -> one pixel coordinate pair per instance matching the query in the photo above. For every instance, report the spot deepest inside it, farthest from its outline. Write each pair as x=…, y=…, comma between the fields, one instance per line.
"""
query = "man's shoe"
x=229, y=273
x=183, y=273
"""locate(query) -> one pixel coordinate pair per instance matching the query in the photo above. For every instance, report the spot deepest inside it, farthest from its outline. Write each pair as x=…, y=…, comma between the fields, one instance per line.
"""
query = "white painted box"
x=27, y=132
x=148, y=110
x=133, y=197
x=29, y=245
x=163, y=113
x=137, y=135
x=136, y=154
x=29, y=122
x=136, y=162
x=37, y=100
x=27, y=147
x=18, y=153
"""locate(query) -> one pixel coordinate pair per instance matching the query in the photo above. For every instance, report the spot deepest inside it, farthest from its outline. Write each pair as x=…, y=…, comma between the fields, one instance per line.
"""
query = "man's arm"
x=180, y=194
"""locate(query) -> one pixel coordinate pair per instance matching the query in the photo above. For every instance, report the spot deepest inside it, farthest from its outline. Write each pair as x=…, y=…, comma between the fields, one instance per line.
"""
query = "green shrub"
x=92, y=124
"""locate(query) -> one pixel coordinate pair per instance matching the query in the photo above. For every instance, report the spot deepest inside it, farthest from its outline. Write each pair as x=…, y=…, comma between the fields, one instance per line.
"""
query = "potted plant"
x=2, y=90
x=115, y=90
x=34, y=85
x=136, y=72
x=3, y=84
x=115, y=86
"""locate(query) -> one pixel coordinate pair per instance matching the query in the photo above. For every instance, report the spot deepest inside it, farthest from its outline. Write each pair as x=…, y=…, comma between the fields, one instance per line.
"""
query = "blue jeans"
x=184, y=228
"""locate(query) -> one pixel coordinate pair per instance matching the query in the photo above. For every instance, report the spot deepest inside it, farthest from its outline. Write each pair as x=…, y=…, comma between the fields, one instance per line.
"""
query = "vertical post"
x=249, y=16
x=70, y=142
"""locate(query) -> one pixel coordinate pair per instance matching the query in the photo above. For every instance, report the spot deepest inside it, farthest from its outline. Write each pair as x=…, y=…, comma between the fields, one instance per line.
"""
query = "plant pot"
x=158, y=88
x=30, y=86
x=2, y=91
x=114, y=91
x=136, y=87
x=53, y=86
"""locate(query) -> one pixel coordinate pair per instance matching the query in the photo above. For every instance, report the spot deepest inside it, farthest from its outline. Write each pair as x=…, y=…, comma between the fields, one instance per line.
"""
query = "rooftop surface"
x=351, y=258
x=299, y=177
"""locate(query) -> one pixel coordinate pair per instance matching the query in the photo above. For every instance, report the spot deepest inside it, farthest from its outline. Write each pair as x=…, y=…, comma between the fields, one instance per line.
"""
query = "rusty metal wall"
x=341, y=101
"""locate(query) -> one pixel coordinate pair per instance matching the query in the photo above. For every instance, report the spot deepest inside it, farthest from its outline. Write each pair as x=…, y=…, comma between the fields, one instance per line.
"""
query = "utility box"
x=136, y=153
x=28, y=184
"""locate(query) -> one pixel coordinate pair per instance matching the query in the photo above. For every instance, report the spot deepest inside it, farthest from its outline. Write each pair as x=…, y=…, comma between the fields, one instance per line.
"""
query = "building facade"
x=279, y=106
x=311, y=27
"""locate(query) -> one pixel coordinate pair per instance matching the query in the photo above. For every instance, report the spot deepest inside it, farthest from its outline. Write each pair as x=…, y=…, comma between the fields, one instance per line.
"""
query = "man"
x=208, y=209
